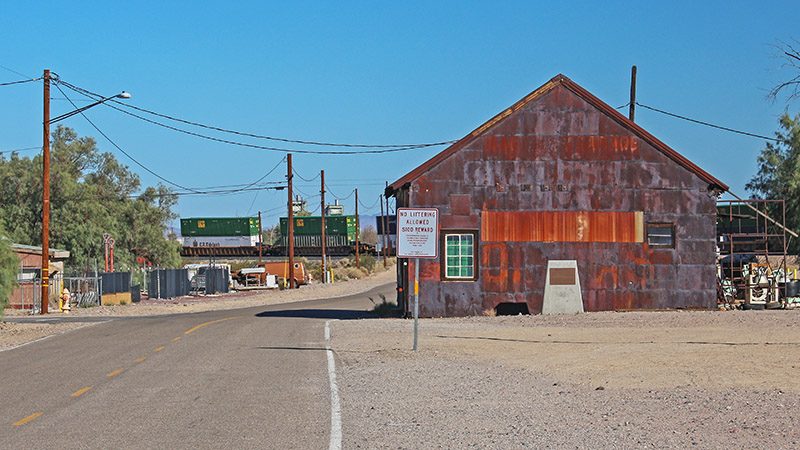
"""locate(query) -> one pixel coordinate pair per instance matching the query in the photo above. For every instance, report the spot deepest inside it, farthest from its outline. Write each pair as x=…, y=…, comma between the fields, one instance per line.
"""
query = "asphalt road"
x=246, y=378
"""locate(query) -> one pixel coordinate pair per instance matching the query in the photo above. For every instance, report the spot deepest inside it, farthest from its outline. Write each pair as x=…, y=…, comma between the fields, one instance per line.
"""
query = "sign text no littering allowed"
x=417, y=232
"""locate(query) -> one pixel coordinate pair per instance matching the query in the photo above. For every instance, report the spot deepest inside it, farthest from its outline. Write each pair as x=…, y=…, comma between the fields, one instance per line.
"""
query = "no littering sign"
x=417, y=237
x=417, y=232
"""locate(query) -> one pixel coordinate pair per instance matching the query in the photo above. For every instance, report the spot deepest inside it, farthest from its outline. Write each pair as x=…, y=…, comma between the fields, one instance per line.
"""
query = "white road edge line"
x=336, y=408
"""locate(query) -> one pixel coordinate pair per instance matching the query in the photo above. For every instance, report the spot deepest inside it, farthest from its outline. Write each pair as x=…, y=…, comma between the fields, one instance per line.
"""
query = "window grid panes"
x=459, y=256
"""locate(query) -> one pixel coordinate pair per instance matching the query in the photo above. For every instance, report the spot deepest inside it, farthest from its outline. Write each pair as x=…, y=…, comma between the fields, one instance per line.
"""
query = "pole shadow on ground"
x=340, y=314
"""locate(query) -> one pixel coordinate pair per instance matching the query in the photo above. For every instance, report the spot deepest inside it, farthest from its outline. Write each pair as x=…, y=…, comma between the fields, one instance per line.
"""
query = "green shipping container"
x=312, y=225
x=219, y=226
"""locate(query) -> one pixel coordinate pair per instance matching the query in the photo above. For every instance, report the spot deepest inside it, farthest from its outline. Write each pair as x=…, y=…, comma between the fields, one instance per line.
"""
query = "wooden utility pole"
x=260, y=238
x=46, y=195
x=383, y=234
x=322, y=226
x=290, y=224
x=388, y=222
x=632, y=105
x=358, y=232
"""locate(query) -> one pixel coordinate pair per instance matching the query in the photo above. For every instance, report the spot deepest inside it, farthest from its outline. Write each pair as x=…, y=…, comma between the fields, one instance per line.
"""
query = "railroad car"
x=220, y=236
x=340, y=236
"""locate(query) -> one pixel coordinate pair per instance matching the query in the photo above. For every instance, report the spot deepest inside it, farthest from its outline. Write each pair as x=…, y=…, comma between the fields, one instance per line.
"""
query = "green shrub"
x=368, y=262
x=9, y=266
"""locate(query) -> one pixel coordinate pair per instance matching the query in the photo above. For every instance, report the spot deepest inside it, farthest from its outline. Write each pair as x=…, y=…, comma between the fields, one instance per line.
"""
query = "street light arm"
x=84, y=108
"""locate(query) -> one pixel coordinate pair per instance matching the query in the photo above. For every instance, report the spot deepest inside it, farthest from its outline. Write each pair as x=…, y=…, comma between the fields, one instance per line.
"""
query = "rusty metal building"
x=561, y=175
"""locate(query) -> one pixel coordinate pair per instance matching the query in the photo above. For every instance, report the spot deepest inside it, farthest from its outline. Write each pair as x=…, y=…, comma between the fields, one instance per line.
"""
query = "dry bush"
x=354, y=273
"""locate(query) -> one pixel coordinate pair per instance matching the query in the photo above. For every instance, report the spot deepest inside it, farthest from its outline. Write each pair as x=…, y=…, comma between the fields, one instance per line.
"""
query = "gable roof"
x=559, y=80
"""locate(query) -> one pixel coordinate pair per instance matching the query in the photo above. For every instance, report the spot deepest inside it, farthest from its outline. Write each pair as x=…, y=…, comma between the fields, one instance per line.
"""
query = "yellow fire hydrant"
x=63, y=301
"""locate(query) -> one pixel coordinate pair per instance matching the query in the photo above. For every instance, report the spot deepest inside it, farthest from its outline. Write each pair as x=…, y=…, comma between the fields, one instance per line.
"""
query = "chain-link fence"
x=84, y=292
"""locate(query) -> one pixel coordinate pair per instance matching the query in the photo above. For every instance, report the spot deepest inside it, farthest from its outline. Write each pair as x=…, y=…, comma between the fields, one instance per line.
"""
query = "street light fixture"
x=46, y=179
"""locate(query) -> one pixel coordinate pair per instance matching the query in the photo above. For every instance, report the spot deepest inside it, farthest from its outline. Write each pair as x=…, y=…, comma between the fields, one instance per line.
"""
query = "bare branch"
x=791, y=59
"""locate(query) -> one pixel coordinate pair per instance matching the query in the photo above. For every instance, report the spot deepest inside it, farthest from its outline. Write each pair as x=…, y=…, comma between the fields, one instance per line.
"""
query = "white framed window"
x=459, y=255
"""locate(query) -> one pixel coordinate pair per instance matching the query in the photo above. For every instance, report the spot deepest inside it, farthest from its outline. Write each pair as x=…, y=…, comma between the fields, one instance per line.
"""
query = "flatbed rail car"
x=243, y=251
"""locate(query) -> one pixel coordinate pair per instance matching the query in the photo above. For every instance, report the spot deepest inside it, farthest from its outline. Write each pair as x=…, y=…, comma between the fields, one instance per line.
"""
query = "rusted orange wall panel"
x=558, y=226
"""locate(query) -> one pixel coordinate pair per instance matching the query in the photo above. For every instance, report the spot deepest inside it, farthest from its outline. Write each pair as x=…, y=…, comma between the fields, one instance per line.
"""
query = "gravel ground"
x=619, y=380
x=16, y=334
x=242, y=299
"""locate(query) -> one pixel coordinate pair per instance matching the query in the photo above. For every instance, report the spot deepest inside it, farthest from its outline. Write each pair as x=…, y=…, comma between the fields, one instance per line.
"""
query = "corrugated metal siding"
x=561, y=226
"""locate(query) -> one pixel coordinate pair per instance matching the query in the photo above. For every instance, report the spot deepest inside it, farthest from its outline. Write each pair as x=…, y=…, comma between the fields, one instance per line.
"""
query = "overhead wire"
x=376, y=148
x=369, y=208
x=328, y=190
x=192, y=191
x=708, y=124
x=294, y=171
x=14, y=71
x=9, y=83
x=265, y=176
x=25, y=149
x=57, y=84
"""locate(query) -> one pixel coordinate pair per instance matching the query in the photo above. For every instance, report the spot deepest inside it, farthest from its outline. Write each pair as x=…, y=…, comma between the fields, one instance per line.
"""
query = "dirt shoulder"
x=241, y=299
x=16, y=334
x=666, y=379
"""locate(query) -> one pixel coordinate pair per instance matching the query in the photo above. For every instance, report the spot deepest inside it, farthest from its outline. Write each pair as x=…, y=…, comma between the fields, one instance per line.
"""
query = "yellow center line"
x=114, y=373
x=21, y=422
x=139, y=359
x=205, y=324
x=176, y=339
x=81, y=391
x=158, y=349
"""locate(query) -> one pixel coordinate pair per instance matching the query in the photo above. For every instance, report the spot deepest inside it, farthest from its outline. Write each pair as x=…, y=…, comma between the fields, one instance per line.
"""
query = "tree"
x=791, y=56
x=271, y=234
x=369, y=235
x=9, y=266
x=91, y=193
x=778, y=175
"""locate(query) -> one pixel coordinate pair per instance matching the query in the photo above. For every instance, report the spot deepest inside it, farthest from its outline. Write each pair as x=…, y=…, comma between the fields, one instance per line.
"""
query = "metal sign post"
x=416, y=302
x=418, y=238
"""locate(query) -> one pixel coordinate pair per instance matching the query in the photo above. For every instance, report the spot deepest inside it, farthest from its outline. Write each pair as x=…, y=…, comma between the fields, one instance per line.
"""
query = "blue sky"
x=384, y=73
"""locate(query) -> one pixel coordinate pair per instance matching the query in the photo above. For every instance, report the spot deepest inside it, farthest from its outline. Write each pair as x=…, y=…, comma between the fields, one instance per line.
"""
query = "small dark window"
x=661, y=235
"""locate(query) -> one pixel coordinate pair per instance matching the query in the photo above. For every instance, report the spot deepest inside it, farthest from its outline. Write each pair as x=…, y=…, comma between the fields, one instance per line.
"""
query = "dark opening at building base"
x=511, y=309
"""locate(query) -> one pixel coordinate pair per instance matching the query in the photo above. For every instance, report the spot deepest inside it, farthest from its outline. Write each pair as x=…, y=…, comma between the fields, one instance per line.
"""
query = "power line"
x=265, y=176
x=303, y=178
x=14, y=71
x=21, y=149
x=369, y=208
x=719, y=127
x=228, y=191
x=9, y=83
x=120, y=148
x=386, y=147
x=328, y=190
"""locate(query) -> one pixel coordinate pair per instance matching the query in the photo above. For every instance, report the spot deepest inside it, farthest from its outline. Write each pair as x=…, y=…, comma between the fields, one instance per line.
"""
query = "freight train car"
x=340, y=236
x=220, y=236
